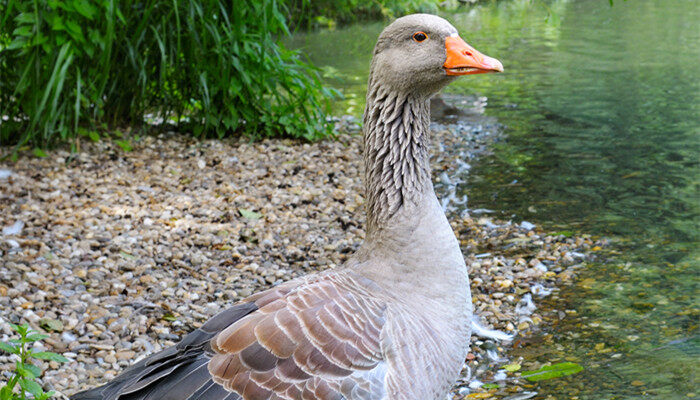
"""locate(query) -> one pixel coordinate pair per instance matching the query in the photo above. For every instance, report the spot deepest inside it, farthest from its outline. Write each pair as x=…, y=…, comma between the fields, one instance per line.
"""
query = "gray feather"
x=176, y=373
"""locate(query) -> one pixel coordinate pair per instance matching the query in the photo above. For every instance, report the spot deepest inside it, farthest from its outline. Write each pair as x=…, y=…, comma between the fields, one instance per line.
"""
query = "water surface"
x=602, y=113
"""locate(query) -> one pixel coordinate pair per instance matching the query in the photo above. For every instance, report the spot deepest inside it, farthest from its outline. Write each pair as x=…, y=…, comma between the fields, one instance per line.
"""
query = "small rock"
x=68, y=337
x=126, y=355
x=14, y=229
x=527, y=225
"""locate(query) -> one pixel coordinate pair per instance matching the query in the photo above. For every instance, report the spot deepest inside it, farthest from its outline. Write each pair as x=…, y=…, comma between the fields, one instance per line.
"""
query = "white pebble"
x=500, y=375
x=14, y=229
x=475, y=384
x=527, y=225
x=479, y=330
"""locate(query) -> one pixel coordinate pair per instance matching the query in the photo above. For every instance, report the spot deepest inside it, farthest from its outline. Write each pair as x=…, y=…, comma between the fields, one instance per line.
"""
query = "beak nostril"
x=466, y=53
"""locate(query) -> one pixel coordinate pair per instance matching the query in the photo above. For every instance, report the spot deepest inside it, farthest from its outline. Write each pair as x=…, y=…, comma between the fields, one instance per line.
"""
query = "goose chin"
x=466, y=71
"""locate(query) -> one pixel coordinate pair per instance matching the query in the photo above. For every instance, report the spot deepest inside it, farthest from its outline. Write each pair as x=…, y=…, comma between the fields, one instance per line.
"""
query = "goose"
x=394, y=321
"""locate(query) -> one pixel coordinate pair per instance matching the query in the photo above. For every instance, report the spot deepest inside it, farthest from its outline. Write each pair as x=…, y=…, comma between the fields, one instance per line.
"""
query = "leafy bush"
x=26, y=373
x=327, y=12
x=212, y=67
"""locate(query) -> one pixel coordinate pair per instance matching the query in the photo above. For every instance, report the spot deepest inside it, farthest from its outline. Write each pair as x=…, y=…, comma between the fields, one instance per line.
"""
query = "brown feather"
x=239, y=335
x=289, y=370
x=252, y=391
x=257, y=358
x=271, y=337
x=225, y=366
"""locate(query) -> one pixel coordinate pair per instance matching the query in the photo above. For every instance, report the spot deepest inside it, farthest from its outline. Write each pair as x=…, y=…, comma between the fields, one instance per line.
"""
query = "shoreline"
x=125, y=252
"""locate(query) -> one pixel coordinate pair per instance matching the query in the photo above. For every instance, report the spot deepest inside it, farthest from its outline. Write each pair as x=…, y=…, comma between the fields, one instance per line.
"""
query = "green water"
x=602, y=113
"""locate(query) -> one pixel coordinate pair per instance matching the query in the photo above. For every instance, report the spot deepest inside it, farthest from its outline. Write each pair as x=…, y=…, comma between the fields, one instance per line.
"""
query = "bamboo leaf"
x=552, y=371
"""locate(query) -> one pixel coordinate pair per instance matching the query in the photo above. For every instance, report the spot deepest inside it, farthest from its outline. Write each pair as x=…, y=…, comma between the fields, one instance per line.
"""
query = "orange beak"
x=463, y=59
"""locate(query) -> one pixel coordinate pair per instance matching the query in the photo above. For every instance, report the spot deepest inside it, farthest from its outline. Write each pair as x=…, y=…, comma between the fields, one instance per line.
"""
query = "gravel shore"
x=119, y=254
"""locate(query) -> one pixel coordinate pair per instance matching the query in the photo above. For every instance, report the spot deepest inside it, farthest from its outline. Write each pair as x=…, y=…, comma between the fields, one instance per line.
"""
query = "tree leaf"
x=512, y=367
x=36, y=371
x=47, y=355
x=249, y=214
x=26, y=371
x=169, y=317
x=51, y=325
x=31, y=387
x=124, y=144
x=39, y=153
x=552, y=371
x=85, y=8
x=9, y=348
x=6, y=392
x=35, y=337
x=94, y=136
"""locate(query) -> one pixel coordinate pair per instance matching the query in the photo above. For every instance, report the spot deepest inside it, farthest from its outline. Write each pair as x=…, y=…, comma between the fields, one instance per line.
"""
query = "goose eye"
x=419, y=36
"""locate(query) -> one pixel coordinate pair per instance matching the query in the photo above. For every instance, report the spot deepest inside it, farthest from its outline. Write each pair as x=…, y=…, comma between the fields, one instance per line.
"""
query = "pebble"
x=14, y=229
x=130, y=251
x=528, y=226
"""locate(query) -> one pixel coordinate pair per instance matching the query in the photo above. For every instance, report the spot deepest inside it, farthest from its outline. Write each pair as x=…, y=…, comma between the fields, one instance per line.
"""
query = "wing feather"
x=315, y=338
x=303, y=342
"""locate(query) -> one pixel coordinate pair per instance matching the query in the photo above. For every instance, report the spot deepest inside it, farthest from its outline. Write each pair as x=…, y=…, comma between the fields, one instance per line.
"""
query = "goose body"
x=394, y=321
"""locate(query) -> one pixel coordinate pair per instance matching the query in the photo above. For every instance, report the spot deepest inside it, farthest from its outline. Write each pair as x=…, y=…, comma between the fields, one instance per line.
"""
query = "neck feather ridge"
x=396, y=153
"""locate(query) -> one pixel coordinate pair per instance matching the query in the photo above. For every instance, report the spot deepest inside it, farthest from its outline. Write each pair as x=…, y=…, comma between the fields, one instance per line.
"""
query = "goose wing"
x=314, y=338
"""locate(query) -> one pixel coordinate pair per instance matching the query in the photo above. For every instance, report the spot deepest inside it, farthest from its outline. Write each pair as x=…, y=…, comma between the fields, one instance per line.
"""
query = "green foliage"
x=552, y=371
x=328, y=12
x=211, y=67
x=512, y=367
x=245, y=213
x=26, y=373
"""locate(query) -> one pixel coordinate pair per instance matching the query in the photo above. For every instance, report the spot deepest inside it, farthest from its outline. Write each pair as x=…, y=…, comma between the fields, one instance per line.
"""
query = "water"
x=602, y=109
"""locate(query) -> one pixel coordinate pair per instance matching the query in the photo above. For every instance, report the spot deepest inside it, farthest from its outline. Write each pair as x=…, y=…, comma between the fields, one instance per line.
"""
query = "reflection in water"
x=602, y=109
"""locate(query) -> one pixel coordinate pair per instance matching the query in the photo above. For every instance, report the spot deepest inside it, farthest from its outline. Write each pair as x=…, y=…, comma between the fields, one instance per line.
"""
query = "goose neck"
x=396, y=154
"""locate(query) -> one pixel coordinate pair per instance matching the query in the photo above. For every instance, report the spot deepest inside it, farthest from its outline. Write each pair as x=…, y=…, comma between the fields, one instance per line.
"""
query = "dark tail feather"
x=176, y=373
x=214, y=391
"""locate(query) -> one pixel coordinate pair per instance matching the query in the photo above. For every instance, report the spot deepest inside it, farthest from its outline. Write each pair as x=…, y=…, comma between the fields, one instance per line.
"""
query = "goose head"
x=421, y=53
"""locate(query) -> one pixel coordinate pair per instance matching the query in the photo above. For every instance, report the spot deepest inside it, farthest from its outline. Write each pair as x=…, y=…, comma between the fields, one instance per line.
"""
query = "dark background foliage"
x=329, y=12
x=77, y=66
x=210, y=68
